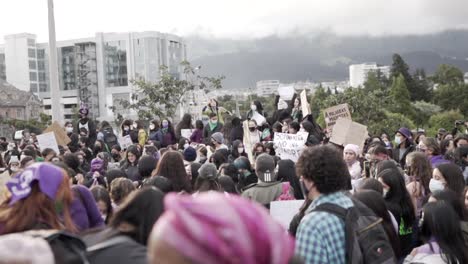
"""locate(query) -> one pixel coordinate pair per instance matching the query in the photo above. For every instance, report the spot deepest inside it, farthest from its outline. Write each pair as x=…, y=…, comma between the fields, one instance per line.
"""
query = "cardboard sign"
x=304, y=104
x=286, y=92
x=18, y=135
x=284, y=211
x=258, y=118
x=333, y=113
x=290, y=146
x=125, y=142
x=186, y=133
x=47, y=140
x=346, y=132
x=246, y=140
x=60, y=134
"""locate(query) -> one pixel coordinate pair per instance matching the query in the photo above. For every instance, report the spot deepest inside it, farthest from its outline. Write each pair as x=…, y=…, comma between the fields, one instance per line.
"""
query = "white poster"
x=125, y=142
x=286, y=92
x=259, y=119
x=47, y=140
x=290, y=146
x=284, y=211
x=186, y=133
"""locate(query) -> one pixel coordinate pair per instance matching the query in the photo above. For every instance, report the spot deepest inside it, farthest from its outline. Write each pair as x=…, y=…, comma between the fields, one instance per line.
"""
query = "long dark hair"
x=398, y=198
x=287, y=173
x=453, y=176
x=451, y=198
x=420, y=168
x=259, y=106
x=101, y=194
x=443, y=224
x=172, y=167
x=148, y=200
x=376, y=203
x=234, y=152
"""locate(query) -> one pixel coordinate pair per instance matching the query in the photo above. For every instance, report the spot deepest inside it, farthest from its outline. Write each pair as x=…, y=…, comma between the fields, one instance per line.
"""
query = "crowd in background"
x=205, y=198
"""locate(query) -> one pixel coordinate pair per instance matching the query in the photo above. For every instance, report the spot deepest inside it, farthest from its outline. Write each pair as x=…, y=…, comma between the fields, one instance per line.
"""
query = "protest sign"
x=125, y=142
x=304, y=104
x=47, y=140
x=60, y=134
x=186, y=133
x=333, y=113
x=286, y=92
x=246, y=140
x=346, y=132
x=284, y=211
x=18, y=135
x=290, y=146
x=258, y=118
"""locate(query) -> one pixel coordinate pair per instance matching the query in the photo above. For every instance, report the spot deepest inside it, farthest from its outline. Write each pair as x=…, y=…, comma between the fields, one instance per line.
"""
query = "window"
x=115, y=59
x=68, y=116
x=33, y=87
x=32, y=76
x=40, y=54
x=32, y=53
x=40, y=65
x=68, y=106
x=47, y=107
x=19, y=113
x=31, y=42
x=32, y=65
x=42, y=87
x=42, y=77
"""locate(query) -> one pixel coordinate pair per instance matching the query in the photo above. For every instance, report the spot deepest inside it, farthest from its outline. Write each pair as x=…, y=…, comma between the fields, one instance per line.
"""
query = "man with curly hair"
x=321, y=236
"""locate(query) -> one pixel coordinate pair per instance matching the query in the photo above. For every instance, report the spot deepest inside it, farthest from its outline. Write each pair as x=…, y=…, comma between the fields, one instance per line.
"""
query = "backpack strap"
x=108, y=243
x=332, y=209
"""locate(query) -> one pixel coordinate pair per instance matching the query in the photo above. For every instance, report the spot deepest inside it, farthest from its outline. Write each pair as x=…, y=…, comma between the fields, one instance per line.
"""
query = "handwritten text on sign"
x=290, y=146
x=333, y=113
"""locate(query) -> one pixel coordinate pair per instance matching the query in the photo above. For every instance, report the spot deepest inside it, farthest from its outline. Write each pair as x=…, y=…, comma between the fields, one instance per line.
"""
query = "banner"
x=259, y=119
x=290, y=146
x=284, y=211
x=333, y=113
x=346, y=132
x=60, y=134
x=186, y=133
x=125, y=142
x=304, y=104
x=47, y=140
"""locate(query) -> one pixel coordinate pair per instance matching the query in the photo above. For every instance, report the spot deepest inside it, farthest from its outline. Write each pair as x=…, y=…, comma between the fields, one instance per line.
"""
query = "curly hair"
x=325, y=166
x=120, y=189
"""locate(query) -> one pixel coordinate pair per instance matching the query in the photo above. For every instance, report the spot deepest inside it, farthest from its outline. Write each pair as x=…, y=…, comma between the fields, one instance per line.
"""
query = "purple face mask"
x=48, y=176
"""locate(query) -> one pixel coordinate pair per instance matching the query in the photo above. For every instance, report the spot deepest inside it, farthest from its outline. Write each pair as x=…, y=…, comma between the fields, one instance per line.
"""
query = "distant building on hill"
x=358, y=72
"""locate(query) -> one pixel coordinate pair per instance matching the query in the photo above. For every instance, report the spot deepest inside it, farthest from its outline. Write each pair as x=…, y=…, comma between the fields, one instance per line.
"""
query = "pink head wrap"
x=216, y=228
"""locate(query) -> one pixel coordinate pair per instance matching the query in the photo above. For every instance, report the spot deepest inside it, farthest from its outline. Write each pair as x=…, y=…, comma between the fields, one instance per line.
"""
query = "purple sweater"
x=197, y=136
x=84, y=211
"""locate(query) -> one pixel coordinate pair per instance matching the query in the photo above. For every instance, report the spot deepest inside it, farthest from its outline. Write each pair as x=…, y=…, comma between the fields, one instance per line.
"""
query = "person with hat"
x=207, y=179
x=217, y=139
x=40, y=199
x=403, y=145
x=351, y=156
x=267, y=189
x=87, y=125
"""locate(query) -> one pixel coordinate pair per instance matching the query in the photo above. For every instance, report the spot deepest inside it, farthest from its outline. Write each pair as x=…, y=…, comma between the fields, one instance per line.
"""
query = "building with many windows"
x=358, y=72
x=96, y=71
x=18, y=104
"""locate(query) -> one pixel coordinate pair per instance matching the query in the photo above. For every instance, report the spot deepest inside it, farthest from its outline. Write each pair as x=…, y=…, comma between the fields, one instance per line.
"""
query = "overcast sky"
x=233, y=18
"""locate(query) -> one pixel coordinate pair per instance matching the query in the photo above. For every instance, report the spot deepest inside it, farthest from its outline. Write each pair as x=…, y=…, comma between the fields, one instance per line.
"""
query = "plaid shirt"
x=321, y=236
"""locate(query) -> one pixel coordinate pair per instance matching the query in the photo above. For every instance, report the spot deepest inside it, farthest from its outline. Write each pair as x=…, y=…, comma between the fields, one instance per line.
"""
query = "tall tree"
x=448, y=75
x=423, y=91
x=317, y=100
x=400, y=97
x=399, y=66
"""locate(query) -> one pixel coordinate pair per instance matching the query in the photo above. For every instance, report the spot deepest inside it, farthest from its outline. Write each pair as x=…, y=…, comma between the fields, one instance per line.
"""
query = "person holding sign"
x=255, y=107
x=214, y=108
x=296, y=113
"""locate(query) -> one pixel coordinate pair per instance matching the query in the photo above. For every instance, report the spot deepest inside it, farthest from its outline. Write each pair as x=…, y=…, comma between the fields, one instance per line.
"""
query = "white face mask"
x=397, y=140
x=69, y=129
x=151, y=127
x=436, y=185
x=186, y=145
x=126, y=128
x=240, y=150
x=10, y=148
x=253, y=107
x=14, y=168
x=135, y=125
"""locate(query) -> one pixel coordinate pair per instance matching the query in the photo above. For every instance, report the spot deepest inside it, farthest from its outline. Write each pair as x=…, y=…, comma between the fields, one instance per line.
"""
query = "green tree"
x=423, y=91
x=448, y=75
x=444, y=120
x=391, y=123
x=329, y=92
x=161, y=99
x=424, y=111
x=400, y=97
x=373, y=82
x=399, y=67
x=317, y=101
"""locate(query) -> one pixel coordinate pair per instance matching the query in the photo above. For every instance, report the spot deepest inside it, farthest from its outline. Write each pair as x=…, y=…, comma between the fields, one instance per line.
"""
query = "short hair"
x=212, y=115
x=295, y=125
x=377, y=149
x=46, y=152
x=325, y=166
x=433, y=145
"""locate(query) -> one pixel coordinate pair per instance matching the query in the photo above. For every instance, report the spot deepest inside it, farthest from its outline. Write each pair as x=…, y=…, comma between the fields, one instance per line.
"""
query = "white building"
x=267, y=87
x=97, y=70
x=358, y=72
x=465, y=77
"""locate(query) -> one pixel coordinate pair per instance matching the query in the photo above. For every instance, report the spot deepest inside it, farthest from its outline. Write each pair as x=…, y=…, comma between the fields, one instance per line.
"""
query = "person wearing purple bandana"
x=86, y=123
x=40, y=199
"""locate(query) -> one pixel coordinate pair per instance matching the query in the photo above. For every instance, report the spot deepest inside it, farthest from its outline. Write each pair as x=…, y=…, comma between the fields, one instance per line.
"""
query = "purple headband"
x=48, y=176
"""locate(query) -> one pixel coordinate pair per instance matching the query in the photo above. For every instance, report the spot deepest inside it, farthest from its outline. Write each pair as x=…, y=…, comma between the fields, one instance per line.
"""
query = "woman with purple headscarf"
x=216, y=228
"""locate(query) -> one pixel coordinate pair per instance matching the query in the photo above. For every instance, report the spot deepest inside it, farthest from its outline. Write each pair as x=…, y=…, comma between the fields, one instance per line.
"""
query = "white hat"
x=13, y=159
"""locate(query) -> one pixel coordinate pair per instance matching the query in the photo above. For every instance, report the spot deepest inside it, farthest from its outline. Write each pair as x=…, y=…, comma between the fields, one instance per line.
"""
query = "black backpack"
x=110, y=138
x=366, y=240
x=66, y=247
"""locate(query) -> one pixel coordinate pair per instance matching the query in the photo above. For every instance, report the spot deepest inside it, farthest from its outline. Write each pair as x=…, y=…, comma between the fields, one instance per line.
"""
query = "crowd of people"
x=205, y=198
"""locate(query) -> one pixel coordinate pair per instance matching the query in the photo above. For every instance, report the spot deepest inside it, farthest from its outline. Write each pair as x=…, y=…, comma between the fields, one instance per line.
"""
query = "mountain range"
x=320, y=56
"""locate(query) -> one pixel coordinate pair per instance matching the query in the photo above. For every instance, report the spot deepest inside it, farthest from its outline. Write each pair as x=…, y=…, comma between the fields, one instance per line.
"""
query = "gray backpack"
x=366, y=240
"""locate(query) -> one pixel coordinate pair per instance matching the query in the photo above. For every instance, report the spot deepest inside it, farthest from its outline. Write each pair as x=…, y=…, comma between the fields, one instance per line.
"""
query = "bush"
x=443, y=120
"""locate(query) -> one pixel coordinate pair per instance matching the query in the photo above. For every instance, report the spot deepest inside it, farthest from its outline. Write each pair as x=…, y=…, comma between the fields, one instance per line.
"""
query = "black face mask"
x=116, y=156
x=252, y=129
x=97, y=149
